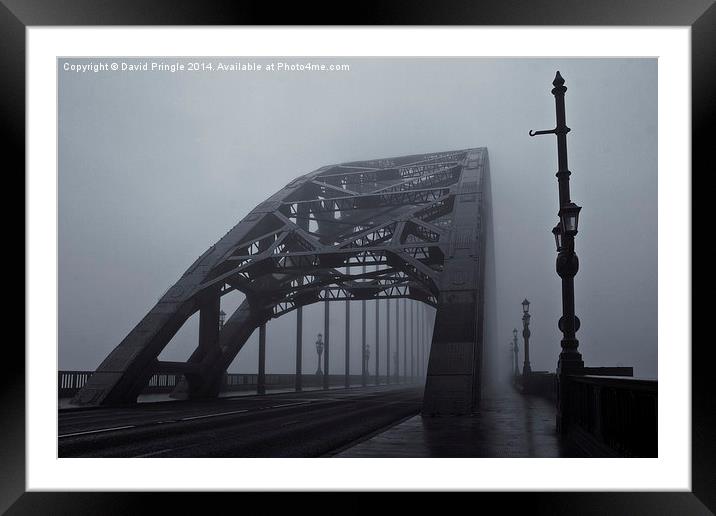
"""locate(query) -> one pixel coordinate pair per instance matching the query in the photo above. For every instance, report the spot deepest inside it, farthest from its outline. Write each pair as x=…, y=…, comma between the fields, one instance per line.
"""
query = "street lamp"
x=526, y=369
x=366, y=356
x=570, y=360
x=557, y=232
x=222, y=319
x=516, y=350
x=319, y=350
x=569, y=219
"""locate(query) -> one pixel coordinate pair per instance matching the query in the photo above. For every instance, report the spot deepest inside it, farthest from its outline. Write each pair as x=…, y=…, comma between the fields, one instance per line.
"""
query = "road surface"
x=308, y=424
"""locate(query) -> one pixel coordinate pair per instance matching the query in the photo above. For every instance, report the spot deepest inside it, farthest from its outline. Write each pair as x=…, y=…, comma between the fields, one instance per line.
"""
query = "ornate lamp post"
x=516, y=350
x=570, y=360
x=567, y=266
x=366, y=357
x=319, y=350
x=526, y=369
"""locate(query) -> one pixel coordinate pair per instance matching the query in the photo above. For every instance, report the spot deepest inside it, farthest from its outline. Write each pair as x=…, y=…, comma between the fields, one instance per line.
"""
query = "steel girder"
x=416, y=219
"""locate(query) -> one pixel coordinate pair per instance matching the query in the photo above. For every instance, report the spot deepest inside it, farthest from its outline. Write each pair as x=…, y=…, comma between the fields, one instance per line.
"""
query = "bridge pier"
x=421, y=336
x=298, y=384
x=412, y=341
x=209, y=325
x=397, y=341
x=377, y=341
x=347, y=382
x=454, y=376
x=405, y=340
x=326, y=340
x=261, y=380
x=387, y=341
x=363, y=361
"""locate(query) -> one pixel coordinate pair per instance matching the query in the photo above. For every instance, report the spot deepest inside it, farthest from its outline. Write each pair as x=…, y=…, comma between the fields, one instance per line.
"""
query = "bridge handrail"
x=613, y=414
x=69, y=382
x=623, y=382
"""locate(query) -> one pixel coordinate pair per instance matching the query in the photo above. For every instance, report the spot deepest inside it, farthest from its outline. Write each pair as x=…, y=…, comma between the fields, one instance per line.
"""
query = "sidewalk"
x=507, y=425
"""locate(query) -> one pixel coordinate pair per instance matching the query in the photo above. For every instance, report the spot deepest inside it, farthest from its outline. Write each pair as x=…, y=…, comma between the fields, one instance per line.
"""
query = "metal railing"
x=69, y=382
x=619, y=413
x=538, y=383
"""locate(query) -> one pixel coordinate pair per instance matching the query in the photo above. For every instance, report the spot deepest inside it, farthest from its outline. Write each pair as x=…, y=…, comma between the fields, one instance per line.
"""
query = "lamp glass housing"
x=525, y=306
x=569, y=217
x=557, y=232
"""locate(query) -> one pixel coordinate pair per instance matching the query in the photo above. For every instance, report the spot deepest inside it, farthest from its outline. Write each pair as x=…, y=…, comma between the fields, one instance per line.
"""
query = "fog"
x=154, y=167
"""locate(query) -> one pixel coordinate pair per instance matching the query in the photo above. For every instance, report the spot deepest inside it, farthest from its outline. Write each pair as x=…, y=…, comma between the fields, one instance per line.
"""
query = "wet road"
x=308, y=424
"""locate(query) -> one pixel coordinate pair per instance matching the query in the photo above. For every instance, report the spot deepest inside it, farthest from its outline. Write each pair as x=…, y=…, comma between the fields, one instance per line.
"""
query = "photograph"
x=357, y=257
x=425, y=248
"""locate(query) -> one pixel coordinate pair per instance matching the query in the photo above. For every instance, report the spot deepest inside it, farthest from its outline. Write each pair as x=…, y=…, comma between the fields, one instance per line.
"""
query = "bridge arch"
x=418, y=220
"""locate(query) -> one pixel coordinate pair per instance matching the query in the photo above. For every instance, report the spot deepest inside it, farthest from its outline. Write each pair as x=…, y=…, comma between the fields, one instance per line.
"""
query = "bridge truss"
x=416, y=221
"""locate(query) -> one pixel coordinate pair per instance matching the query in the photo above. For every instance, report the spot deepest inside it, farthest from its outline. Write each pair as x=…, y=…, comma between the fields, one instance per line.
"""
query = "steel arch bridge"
x=419, y=221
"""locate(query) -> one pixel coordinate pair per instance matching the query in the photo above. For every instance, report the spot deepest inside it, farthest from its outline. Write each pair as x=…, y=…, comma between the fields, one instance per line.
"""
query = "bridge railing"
x=69, y=382
x=538, y=383
x=613, y=414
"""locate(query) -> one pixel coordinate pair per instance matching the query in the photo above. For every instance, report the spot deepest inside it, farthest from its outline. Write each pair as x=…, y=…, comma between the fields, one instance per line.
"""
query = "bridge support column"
x=326, y=340
x=423, y=352
x=377, y=342
x=209, y=325
x=363, y=361
x=348, y=345
x=387, y=341
x=417, y=341
x=421, y=340
x=405, y=340
x=397, y=340
x=261, y=382
x=419, y=328
x=299, y=349
x=412, y=341
x=454, y=377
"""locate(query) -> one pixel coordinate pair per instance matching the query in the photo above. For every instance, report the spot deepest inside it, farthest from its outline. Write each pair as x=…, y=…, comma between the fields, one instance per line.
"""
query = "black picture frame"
x=17, y=15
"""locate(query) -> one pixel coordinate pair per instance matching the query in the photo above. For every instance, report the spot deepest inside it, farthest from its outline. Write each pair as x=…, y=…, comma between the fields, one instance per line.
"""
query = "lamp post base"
x=570, y=363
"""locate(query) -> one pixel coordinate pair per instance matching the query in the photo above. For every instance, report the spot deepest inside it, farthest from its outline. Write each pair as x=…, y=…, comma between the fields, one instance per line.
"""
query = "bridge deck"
x=507, y=425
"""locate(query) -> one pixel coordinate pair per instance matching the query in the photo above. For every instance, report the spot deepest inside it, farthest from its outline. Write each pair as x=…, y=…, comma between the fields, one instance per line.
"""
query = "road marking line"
x=98, y=431
x=156, y=452
x=213, y=415
x=290, y=404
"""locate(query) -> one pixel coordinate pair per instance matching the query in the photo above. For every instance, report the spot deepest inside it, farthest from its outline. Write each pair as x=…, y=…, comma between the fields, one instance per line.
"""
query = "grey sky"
x=154, y=167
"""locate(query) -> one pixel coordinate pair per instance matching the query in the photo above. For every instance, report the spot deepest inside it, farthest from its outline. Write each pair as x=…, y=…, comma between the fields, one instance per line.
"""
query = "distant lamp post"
x=319, y=350
x=516, y=350
x=222, y=319
x=526, y=369
x=525, y=306
x=366, y=355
